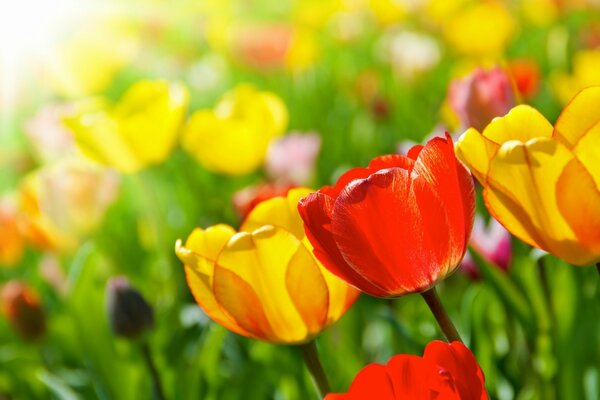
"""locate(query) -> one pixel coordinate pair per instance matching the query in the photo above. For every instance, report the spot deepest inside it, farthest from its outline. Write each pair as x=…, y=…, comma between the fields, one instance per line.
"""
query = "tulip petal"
x=373, y=226
x=391, y=161
x=438, y=167
x=418, y=378
x=345, y=179
x=476, y=151
x=456, y=359
x=530, y=172
x=199, y=255
x=308, y=290
x=582, y=212
x=588, y=152
x=522, y=123
x=280, y=211
x=578, y=117
x=261, y=260
x=371, y=382
x=315, y=209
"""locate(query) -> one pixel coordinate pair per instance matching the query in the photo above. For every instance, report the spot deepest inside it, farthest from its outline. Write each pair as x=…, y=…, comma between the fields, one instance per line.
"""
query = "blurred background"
x=352, y=79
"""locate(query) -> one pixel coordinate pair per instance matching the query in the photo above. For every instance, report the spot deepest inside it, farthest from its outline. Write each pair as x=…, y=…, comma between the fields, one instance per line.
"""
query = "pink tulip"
x=492, y=242
x=481, y=96
x=292, y=157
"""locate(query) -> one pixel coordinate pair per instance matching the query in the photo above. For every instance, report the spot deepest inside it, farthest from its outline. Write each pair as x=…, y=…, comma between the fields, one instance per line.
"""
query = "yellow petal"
x=261, y=259
x=588, y=152
x=522, y=123
x=578, y=199
x=279, y=211
x=578, y=117
x=521, y=193
x=199, y=255
x=476, y=151
x=224, y=145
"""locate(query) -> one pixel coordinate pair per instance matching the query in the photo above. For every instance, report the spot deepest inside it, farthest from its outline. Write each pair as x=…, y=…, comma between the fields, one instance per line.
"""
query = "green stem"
x=598, y=268
x=156, y=384
x=437, y=309
x=311, y=359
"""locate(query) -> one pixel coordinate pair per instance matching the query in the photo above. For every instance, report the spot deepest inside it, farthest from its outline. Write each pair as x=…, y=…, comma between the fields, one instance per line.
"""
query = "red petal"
x=417, y=378
x=460, y=363
x=372, y=382
x=315, y=210
x=438, y=167
x=415, y=151
x=345, y=179
x=391, y=161
x=384, y=233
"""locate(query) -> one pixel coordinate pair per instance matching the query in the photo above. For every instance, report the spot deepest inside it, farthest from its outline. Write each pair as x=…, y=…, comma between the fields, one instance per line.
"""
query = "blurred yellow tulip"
x=586, y=72
x=480, y=30
x=543, y=183
x=140, y=130
x=264, y=281
x=63, y=203
x=233, y=137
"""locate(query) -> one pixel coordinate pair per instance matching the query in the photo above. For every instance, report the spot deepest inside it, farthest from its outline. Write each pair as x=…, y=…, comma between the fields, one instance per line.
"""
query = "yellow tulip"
x=233, y=137
x=140, y=130
x=586, y=72
x=264, y=281
x=480, y=30
x=543, y=183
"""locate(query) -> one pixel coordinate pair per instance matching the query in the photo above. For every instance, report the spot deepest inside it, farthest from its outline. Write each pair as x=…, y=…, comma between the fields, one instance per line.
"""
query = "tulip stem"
x=435, y=305
x=598, y=268
x=311, y=359
x=158, y=390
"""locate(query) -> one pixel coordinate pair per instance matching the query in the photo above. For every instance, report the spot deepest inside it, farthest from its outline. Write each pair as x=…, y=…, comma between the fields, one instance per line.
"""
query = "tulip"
x=526, y=75
x=481, y=29
x=65, y=202
x=292, y=157
x=398, y=226
x=21, y=306
x=140, y=130
x=481, y=96
x=492, y=242
x=263, y=282
x=47, y=134
x=409, y=53
x=12, y=241
x=129, y=313
x=233, y=137
x=543, y=183
x=446, y=371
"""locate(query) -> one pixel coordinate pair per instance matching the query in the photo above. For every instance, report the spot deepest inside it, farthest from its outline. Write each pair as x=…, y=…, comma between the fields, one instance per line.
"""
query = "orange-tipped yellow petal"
x=522, y=193
x=261, y=260
x=578, y=117
x=582, y=212
x=476, y=151
x=522, y=123
x=199, y=255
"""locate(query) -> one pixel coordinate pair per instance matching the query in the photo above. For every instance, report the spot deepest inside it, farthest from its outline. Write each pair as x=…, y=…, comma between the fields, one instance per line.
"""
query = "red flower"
x=445, y=372
x=398, y=226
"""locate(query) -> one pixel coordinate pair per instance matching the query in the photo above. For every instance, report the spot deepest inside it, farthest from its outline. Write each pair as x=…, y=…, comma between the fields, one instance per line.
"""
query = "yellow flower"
x=387, y=12
x=543, y=183
x=586, y=72
x=140, y=130
x=264, y=281
x=233, y=137
x=480, y=30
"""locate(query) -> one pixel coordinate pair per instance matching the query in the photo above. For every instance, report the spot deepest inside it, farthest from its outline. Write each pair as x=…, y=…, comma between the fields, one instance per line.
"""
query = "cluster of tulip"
x=316, y=150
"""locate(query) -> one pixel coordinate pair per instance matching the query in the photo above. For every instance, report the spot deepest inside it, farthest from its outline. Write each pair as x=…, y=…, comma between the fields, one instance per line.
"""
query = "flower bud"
x=22, y=308
x=129, y=313
x=481, y=96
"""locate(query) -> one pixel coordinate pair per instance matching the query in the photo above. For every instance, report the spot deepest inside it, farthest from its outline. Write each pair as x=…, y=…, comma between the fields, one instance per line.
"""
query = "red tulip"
x=398, y=226
x=445, y=372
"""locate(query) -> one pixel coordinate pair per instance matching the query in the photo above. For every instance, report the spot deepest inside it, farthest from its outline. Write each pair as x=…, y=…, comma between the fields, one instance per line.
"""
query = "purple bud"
x=129, y=313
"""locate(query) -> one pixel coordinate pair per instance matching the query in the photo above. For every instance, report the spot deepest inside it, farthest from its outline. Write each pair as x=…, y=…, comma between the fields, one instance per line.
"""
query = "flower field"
x=300, y=199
